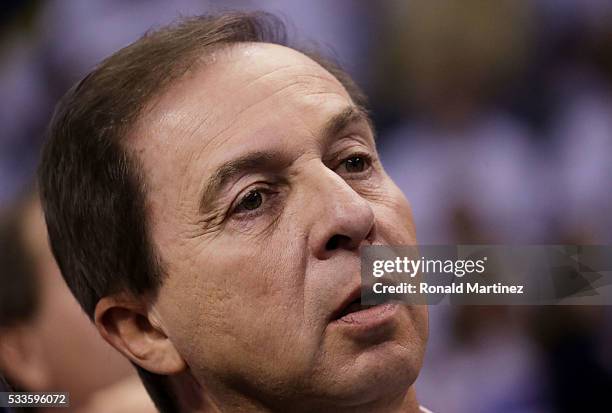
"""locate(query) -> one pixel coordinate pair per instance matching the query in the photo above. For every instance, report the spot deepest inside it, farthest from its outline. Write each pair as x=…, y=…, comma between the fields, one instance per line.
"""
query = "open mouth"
x=352, y=307
x=352, y=304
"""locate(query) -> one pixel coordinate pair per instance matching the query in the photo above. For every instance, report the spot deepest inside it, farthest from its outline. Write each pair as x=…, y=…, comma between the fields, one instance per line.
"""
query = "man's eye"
x=256, y=201
x=356, y=164
x=251, y=201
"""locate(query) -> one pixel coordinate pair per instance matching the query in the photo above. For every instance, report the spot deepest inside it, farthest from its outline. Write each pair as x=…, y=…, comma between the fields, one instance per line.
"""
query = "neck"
x=196, y=398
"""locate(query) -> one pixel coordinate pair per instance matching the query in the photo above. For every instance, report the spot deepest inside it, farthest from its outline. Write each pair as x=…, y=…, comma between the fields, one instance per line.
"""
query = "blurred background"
x=494, y=117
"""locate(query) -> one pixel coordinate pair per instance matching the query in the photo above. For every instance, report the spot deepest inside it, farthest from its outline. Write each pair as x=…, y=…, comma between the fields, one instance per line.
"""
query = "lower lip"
x=370, y=318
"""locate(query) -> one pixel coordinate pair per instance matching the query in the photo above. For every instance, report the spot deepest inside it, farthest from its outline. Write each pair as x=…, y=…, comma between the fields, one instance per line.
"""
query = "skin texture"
x=245, y=310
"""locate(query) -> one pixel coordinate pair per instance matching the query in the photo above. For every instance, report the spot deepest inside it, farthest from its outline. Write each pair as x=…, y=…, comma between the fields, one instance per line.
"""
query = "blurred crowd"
x=493, y=117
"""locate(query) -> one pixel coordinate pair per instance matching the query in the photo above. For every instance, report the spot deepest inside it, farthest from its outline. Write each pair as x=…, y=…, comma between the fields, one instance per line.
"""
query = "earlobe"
x=133, y=330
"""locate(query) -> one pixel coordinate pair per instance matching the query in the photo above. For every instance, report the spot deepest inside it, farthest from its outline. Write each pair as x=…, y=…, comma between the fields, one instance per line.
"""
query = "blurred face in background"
x=59, y=349
x=263, y=181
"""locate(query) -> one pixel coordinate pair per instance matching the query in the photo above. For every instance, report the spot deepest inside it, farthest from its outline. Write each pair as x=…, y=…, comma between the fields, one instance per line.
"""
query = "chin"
x=386, y=370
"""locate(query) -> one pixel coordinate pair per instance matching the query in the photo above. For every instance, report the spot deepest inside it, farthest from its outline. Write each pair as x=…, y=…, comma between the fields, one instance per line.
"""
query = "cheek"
x=394, y=217
x=242, y=299
x=421, y=322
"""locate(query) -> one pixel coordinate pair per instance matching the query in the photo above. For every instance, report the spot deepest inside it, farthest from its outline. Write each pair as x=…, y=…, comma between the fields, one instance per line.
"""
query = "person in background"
x=46, y=341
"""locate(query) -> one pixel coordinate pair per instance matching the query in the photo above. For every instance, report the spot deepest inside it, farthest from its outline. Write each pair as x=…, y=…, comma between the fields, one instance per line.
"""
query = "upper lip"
x=354, y=294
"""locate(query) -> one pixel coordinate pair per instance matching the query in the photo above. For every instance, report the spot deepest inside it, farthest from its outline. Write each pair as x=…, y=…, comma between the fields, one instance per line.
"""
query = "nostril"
x=336, y=241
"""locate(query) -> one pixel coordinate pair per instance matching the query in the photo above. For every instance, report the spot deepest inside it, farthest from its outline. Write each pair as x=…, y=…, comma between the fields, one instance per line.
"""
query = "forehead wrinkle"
x=300, y=79
x=218, y=134
x=269, y=53
x=231, y=55
x=293, y=83
x=273, y=72
x=301, y=74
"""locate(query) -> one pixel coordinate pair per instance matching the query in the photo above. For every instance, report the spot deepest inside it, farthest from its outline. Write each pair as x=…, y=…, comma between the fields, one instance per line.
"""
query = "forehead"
x=241, y=97
x=233, y=83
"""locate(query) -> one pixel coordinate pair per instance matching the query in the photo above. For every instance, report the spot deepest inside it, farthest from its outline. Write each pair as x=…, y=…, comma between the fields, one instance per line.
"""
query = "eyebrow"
x=249, y=162
x=260, y=160
x=341, y=120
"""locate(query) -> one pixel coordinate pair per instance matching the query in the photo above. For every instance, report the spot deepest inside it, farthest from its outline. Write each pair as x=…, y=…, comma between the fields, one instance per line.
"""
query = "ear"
x=129, y=326
x=22, y=359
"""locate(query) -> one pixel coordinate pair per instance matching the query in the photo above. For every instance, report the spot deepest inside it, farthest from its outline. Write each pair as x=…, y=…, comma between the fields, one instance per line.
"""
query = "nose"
x=343, y=221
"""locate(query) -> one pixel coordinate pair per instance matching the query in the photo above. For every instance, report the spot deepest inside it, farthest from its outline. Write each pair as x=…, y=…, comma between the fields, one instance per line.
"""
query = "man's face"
x=263, y=181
